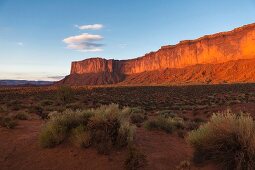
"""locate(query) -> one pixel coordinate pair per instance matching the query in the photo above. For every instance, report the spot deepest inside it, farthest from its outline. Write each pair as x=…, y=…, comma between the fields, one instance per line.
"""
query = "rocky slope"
x=216, y=57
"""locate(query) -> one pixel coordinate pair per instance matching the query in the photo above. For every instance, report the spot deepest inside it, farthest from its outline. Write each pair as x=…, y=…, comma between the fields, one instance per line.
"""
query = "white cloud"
x=81, y=38
x=90, y=27
x=84, y=42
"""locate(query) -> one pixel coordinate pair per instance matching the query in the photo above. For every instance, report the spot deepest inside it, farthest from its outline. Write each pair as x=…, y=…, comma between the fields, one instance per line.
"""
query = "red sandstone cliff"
x=210, y=50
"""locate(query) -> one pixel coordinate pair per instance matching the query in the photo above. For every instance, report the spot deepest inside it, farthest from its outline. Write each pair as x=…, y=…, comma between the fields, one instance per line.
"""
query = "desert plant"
x=81, y=137
x=227, y=139
x=60, y=125
x=7, y=122
x=135, y=159
x=105, y=127
x=38, y=110
x=3, y=109
x=166, y=113
x=22, y=116
x=165, y=124
x=137, y=115
x=65, y=94
x=184, y=165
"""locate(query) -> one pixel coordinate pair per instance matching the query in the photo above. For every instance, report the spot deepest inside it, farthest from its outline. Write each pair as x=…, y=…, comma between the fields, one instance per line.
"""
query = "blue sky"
x=40, y=38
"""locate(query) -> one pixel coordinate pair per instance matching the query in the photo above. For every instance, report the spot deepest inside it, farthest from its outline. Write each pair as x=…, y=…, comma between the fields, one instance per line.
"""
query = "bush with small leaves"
x=80, y=137
x=104, y=128
x=227, y=139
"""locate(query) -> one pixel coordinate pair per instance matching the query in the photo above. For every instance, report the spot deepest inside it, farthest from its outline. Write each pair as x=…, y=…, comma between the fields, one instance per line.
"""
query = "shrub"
x=60, y=125
x=105, y=127
x=125, y=135
x=184, y=165
x=81, y=137
x=137, y=116
x=135, y=159
x=7, y=122
x=166, y=113
x=3, y=109
x=227, y=139
x=165, y=124
x=65, y=94
x=47, y=102
x=38, y=110
x=22, y=116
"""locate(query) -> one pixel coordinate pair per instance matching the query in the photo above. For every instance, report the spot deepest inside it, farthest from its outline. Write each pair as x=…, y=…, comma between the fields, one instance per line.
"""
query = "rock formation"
x=210, y=54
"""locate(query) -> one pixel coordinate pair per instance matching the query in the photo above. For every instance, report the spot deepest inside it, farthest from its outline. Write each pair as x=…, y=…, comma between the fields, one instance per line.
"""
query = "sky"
x=40, y=38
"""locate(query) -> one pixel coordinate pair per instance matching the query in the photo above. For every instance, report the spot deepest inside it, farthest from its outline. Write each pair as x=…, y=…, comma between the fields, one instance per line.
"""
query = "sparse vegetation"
x=7, y=122
x=135, y=159
x=227, y=139
x=137, y=116
x=22, y=116
x=184, y=165
x=80, y=137
x=104, y=128
x=65, y=94
x=166, y=124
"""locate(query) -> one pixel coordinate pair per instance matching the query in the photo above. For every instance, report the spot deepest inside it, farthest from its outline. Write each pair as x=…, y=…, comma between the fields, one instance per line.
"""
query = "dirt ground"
x=19, y=149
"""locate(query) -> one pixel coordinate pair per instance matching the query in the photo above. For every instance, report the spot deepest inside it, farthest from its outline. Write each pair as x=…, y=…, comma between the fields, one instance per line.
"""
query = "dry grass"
x=167, y=124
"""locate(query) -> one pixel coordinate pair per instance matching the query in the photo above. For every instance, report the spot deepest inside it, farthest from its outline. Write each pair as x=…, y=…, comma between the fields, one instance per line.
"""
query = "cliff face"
x=234, y=45
x=95, y=65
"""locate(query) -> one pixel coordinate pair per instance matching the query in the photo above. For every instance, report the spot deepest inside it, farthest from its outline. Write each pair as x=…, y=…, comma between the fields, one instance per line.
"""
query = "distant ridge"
x=23, y=82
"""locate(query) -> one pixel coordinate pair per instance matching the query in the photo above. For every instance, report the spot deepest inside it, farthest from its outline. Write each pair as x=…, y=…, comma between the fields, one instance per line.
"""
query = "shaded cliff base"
x=240, y=71
x=92, y=79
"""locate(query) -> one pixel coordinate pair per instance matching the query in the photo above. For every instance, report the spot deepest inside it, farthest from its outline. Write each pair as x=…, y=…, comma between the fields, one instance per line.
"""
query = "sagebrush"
x=227, y=139
x=105, y=127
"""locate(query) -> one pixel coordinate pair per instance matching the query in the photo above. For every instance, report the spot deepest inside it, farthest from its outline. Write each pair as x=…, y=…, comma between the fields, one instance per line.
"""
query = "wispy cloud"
x=90, y=27
x=84, y=42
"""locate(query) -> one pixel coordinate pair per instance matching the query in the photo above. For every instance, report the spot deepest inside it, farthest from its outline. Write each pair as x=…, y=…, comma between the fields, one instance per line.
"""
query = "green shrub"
x=227, y=139
x=7, y=122
x=104, y=128
x=135, y=159
x=165, y=124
